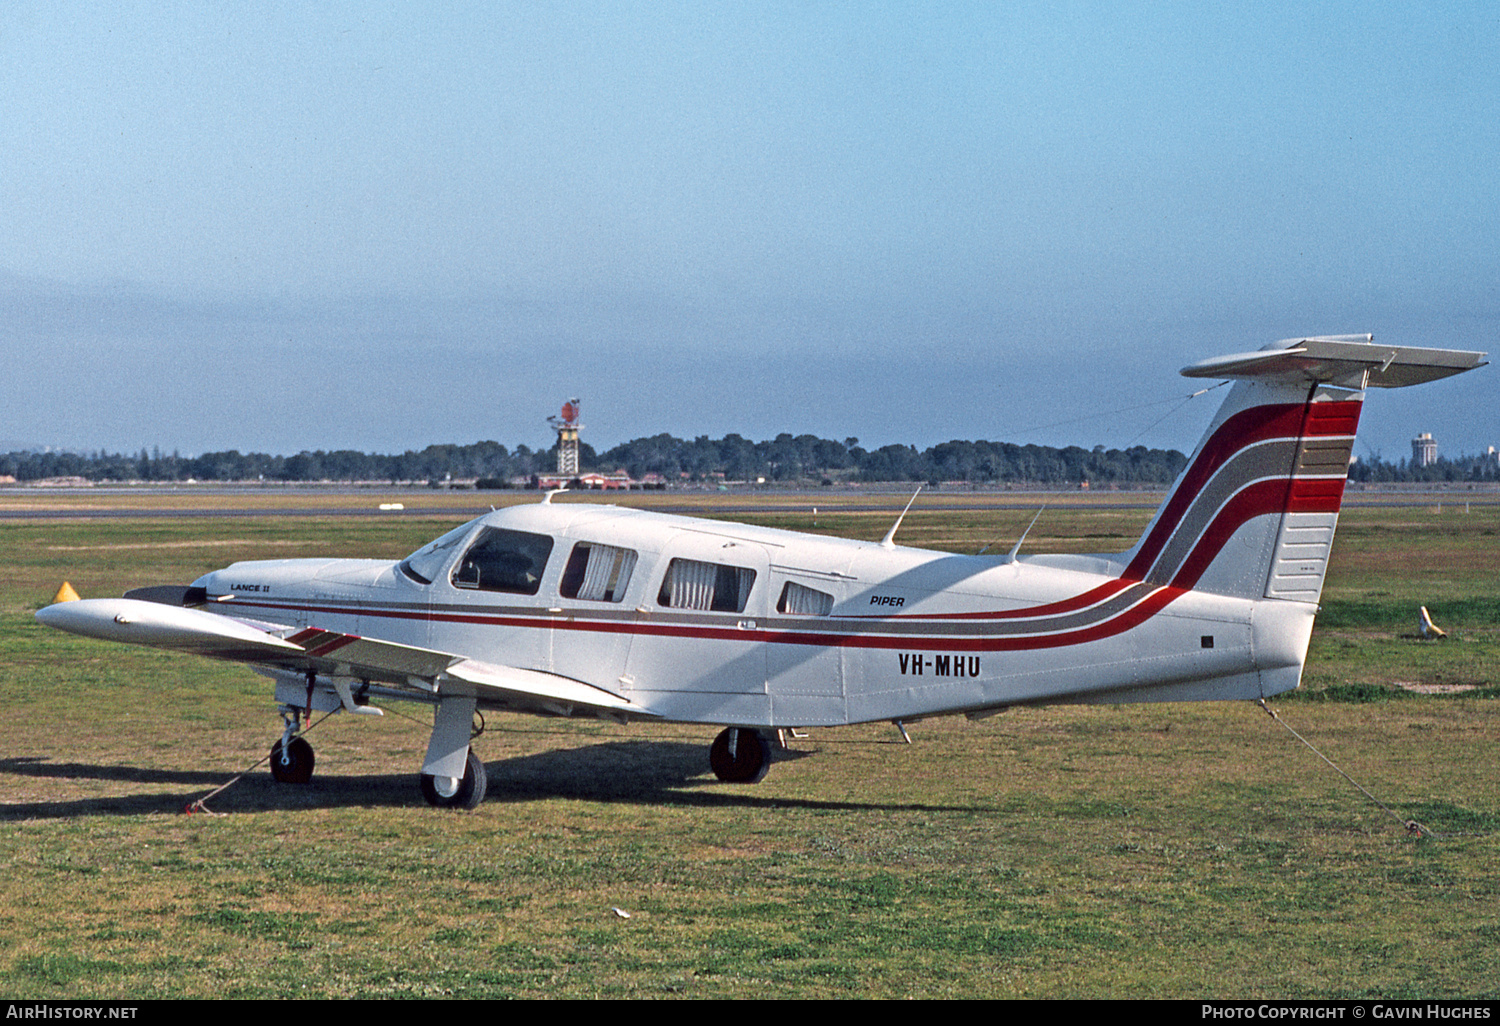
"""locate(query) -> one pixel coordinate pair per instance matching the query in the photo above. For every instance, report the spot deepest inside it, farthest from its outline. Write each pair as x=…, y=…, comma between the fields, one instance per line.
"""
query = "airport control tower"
x=1424, y=450
x=567, y=428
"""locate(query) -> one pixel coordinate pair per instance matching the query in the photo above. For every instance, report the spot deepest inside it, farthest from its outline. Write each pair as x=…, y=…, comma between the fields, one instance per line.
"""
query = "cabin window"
x=800, y=600
x=426, y=563
x=690, y=584
x=504, y=560
x=597, y=573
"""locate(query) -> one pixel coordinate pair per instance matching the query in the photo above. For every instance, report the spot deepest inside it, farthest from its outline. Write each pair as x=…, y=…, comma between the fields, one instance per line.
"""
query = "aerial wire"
x=1186, y=399
x=198, y=806
x=1180, y=400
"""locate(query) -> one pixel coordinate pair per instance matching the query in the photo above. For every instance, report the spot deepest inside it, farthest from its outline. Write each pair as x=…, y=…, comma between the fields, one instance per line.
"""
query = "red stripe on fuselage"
x=1123, y=621
x=1069, y=605
x=1118, y=624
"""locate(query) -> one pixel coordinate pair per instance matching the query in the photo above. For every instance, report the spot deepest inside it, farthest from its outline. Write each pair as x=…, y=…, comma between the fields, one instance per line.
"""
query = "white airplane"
x=584, y=610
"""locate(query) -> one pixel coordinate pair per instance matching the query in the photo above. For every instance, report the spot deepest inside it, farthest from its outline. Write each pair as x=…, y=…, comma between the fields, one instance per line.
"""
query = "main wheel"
x=295, y=765
x=739, y=756
x=457, y=793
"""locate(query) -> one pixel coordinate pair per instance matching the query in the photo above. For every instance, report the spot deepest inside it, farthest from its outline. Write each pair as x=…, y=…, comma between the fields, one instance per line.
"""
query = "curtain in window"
x=607, y=573
x=743, y=578
x=690, y=584
x=800, y=600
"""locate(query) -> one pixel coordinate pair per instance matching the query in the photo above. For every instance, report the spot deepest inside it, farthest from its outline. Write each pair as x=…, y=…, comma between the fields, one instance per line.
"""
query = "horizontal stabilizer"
x=1345, y=361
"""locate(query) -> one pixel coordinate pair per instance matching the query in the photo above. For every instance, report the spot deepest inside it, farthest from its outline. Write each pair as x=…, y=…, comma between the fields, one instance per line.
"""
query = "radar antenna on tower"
x=567, y=428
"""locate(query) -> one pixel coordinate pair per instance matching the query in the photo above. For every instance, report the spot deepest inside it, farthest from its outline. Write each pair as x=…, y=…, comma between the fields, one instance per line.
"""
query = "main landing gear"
x=464, y=792
x=740, y=755
x=292, y=763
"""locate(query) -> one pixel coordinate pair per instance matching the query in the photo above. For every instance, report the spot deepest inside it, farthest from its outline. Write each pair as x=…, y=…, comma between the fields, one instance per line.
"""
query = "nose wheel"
x=739, y=756
x=292, y=762
x=464, y=792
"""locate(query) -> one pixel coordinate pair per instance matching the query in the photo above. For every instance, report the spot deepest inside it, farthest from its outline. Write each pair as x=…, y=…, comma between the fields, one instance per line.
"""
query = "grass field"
x=1141, y=851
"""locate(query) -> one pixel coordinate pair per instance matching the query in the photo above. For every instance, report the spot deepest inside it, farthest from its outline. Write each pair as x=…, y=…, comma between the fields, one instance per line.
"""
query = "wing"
x=329, y=653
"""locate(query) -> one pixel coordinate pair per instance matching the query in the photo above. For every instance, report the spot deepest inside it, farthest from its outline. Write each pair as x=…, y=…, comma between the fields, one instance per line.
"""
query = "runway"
x=38, y=504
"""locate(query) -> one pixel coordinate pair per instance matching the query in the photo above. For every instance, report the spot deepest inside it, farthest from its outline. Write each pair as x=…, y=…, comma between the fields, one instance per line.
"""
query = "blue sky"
x=276, y=227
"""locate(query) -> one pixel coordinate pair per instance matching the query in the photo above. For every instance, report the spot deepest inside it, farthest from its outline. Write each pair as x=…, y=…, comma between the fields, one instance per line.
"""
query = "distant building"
x=618, y=481
x=1424, y=450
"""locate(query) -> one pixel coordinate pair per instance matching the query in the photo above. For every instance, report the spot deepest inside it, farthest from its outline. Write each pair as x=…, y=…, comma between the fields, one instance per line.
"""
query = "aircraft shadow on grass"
x=644, y=772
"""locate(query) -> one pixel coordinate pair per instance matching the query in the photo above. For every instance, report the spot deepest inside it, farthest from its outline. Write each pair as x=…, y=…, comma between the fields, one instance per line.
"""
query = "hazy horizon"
x=281, y=228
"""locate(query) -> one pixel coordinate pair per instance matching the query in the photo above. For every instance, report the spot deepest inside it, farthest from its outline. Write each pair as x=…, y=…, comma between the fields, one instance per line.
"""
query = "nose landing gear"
x=292, y=763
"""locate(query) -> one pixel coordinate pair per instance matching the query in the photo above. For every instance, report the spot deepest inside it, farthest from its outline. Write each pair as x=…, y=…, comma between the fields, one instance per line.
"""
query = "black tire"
x=468, y=793
x=749, y=762
x=297, y=766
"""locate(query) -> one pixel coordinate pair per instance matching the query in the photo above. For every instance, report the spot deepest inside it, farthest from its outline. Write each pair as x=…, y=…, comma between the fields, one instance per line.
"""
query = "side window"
x=800, y=600
x=690, y=584
x=597, y=573
x=504, y=560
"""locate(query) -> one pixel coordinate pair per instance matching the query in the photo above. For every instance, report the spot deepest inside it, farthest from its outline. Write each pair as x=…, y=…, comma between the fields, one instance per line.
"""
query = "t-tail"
x=1253, y=515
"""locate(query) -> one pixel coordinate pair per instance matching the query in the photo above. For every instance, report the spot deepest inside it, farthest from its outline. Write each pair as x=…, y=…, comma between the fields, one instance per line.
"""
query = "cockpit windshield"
x=424, y=565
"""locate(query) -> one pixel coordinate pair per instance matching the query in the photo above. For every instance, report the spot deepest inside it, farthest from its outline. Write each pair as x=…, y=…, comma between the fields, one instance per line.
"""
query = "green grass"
x=1142, y=851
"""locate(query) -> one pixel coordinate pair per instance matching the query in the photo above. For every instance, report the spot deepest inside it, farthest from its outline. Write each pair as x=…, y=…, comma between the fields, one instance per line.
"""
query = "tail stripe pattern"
x=1270, y=459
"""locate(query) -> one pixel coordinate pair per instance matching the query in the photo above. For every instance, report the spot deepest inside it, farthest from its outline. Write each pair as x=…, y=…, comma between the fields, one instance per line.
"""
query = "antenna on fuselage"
x=889, y=541
x=1011, y=556
x=547, y=498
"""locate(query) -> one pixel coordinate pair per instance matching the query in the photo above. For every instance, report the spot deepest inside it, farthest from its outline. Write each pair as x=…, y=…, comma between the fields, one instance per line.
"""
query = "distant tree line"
x=785, y=459
x=1459, y=469
x=434, y=463
x=789, y=458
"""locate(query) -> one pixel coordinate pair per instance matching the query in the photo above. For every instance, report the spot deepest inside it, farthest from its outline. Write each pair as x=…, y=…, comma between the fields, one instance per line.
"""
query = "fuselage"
x=704, y=621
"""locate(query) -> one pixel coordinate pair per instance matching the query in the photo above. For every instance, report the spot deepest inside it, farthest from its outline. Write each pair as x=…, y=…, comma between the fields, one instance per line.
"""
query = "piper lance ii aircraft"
x=586, y=610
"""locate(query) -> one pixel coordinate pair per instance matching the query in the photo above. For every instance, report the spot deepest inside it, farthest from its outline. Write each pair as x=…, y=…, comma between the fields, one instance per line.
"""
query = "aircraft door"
x=699, y=648
x=599, y=588
x=489, y=604
x=805, y=667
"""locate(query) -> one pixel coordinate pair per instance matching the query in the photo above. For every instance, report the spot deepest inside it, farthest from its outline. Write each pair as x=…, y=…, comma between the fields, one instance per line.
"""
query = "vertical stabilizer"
x=1254, y=513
